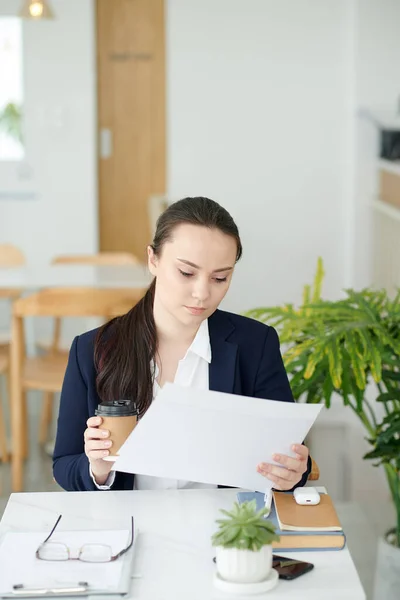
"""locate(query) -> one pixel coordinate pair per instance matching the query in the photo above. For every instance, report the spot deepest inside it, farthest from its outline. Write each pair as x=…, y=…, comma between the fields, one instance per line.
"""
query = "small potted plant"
x=243, y=544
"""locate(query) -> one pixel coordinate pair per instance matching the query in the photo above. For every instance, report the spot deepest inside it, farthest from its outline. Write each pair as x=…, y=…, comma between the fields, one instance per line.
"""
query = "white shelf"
x=386, y=209
x=390, y=166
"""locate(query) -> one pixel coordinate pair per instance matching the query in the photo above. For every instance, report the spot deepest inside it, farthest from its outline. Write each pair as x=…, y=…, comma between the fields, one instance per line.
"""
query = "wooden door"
x=131, y=109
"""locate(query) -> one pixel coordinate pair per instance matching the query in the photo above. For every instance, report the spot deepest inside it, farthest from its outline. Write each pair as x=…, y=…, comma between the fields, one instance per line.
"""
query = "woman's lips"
x=195, y=310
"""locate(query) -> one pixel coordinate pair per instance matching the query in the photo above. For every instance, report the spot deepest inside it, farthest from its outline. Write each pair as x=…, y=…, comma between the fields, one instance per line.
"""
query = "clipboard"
x=68, y=588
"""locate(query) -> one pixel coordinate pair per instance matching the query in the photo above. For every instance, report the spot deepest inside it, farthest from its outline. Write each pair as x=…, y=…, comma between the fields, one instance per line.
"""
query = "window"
x=11, y=93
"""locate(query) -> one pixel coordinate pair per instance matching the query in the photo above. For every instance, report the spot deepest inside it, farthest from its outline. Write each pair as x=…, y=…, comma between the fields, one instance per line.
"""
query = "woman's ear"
x=152, y=261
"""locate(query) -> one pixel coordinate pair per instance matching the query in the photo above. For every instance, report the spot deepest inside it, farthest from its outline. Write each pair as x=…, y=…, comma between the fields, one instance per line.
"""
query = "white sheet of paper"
x=213, y=437
x=19, y=565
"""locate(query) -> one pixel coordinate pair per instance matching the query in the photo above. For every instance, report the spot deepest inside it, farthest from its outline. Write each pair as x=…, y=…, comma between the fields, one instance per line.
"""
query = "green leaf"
x=375, y=363
x=393, y=375
x=335, y=364
x=319, y=277
x=356, y=360
x=11, y=121
x=387, y=396
x=327, y=388
x=314, y=359
x=250, y=531
x=346, y=383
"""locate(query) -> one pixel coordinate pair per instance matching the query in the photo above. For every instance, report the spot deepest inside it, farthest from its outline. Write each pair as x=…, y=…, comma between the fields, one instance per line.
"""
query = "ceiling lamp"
x=36, y=9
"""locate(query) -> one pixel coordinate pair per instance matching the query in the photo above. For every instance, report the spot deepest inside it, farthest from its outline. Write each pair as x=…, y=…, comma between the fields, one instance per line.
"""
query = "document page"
x=213, y=437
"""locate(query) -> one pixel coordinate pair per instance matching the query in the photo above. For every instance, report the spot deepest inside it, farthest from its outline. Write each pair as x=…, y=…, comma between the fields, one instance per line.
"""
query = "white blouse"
x=192, y=372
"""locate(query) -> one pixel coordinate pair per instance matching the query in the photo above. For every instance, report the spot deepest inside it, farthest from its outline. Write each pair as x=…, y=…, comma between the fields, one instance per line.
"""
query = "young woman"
x=175, y=333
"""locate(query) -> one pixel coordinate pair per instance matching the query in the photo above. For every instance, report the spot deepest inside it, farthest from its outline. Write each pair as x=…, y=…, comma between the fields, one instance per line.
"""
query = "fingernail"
x=276, y=457
x=104, y=433
x=295, y=447
x=105, y=453
x=107, y=444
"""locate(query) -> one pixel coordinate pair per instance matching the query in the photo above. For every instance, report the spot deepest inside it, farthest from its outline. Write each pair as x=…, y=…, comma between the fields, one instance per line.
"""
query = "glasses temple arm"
x=130, y=543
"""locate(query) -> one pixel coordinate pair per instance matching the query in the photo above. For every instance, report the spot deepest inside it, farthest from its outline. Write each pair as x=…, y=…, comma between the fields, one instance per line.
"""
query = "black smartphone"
x=289, y=568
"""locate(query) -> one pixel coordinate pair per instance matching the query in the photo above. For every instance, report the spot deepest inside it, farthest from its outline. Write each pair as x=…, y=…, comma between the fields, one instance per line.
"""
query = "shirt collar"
x=201, y=344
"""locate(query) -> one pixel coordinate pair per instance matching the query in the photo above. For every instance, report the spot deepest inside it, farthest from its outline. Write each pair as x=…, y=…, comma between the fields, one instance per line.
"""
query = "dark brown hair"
x=126, y=346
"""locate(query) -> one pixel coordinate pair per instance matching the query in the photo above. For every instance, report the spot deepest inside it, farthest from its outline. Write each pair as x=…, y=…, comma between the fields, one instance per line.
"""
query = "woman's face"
x=193, y=271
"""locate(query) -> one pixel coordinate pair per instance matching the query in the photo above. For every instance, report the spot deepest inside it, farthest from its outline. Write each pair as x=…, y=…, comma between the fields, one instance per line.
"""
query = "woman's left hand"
x=292, y=470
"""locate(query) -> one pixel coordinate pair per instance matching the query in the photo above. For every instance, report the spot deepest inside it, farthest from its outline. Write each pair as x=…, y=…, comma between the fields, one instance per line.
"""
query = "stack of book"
x=301, y=527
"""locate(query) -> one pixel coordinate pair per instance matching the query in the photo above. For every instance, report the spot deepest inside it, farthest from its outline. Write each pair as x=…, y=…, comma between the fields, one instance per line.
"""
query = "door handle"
x=106, y=143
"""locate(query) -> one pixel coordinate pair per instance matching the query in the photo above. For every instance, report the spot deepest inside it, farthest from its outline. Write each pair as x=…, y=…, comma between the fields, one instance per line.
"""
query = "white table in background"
x=31, y=278
x=174, y=552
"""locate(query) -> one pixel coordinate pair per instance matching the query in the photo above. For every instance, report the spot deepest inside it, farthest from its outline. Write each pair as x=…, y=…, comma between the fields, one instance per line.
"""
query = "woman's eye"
x=220, y=279
x=185, y=274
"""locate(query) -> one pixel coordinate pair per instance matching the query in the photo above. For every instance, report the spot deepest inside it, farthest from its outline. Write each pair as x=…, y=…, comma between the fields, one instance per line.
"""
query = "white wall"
x=258, y=119
x=60, y=101
x=377, y=54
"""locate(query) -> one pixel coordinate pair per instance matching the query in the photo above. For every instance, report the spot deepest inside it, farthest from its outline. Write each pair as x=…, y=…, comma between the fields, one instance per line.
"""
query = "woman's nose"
x=201, y=291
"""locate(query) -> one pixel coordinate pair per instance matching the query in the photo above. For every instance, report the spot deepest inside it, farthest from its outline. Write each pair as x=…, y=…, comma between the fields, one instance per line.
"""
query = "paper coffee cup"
x=119, y=418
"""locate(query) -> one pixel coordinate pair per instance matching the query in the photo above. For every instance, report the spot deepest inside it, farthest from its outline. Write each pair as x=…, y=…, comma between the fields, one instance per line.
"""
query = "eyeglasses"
x=94, y=553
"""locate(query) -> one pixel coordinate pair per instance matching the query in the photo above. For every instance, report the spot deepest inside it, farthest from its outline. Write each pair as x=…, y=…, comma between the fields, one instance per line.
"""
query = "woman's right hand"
x=97, y=446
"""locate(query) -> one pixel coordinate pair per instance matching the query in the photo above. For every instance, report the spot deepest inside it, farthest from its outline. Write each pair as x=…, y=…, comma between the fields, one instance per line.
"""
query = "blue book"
x=300, y=539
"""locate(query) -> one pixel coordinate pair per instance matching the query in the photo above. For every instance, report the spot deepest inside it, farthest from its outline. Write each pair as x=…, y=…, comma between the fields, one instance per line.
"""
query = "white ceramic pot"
x=387, y=574
x=244, y=566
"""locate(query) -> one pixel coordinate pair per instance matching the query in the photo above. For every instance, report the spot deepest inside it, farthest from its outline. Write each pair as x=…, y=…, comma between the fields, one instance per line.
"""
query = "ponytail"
x=124, y=350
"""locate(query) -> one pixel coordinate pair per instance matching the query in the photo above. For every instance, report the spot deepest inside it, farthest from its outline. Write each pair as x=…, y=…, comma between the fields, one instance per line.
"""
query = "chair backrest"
x=101, y=258
x=4, y=362
x=314, y=474
x=11, y=256
x=156, y=206
x=77, y=302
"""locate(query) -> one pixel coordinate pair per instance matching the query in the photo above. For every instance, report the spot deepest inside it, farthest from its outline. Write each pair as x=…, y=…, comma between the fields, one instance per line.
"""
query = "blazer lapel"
x=223, y=354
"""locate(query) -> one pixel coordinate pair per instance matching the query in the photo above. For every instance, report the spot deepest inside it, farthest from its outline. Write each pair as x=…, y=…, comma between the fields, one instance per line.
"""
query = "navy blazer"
x=246, y=360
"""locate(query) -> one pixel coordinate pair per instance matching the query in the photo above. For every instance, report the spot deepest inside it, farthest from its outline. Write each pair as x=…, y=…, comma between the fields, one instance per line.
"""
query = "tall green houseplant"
x=340, y=346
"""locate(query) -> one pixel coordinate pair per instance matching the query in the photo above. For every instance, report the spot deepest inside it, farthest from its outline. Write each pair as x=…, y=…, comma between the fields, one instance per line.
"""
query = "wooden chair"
x=156, y=206
x=4, y=366
x=314, y=475
x=46, y=372
x=10, y=256
x=54, y=345
x=100, y=259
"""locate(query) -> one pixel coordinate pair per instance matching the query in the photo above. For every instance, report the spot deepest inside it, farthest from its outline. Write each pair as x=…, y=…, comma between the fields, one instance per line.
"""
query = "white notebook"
x=19, y=565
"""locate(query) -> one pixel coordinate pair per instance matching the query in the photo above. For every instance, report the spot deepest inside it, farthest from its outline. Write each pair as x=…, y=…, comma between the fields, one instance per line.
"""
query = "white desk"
x=174, y=552
x=36, y=277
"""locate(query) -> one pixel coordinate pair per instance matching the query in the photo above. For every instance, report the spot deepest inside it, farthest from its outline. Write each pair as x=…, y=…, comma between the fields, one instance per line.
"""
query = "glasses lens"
x=53, y=551
x=95, y=553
